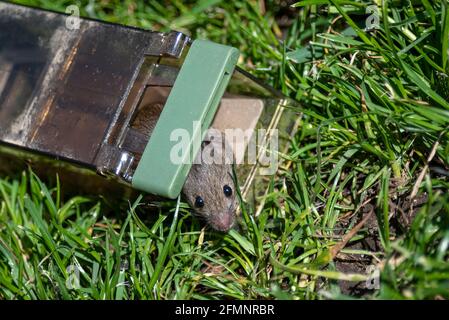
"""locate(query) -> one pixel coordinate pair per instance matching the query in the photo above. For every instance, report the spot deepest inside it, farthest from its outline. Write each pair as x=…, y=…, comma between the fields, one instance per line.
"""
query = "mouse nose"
x=223, y=222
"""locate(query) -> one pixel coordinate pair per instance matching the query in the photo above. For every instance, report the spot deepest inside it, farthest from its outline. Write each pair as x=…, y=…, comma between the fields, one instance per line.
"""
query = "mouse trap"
x=69, y=99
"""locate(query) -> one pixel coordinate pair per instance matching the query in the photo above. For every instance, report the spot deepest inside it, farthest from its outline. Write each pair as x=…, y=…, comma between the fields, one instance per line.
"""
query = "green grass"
x=374, y=138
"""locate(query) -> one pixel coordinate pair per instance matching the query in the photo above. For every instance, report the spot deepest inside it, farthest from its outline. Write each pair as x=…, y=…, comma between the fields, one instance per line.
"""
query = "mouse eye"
x=199, y=202
x=227, y=190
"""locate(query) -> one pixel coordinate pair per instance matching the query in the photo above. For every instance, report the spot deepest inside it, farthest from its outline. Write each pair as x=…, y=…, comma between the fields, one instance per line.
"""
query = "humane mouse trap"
x=69, y=98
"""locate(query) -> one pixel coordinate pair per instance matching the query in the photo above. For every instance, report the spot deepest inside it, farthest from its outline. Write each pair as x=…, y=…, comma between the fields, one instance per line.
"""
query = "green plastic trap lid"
x=195, y=97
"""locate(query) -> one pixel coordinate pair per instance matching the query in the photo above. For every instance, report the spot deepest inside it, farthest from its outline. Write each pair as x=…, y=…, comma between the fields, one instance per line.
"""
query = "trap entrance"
x=74, y=95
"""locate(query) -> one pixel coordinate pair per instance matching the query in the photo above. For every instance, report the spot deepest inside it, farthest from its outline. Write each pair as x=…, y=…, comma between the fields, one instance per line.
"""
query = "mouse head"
x=211, y=192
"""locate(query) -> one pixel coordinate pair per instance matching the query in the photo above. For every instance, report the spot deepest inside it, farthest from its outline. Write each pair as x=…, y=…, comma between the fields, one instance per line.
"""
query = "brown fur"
x=204, y=180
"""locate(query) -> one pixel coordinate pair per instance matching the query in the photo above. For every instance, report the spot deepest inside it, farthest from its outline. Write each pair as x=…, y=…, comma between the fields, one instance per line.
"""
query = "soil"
x=402, y=215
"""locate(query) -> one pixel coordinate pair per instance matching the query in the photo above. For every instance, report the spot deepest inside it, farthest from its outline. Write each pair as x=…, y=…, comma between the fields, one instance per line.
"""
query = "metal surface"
x=63, y=91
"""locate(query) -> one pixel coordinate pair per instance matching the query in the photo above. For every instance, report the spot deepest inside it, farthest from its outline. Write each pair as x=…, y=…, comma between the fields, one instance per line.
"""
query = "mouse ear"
x=215, y=149
x=222, y=150
x=205, y=143
x=212, y=141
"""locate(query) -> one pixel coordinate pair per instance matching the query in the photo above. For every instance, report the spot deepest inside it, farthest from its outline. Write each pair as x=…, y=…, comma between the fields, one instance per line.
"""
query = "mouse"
x=209, y=188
